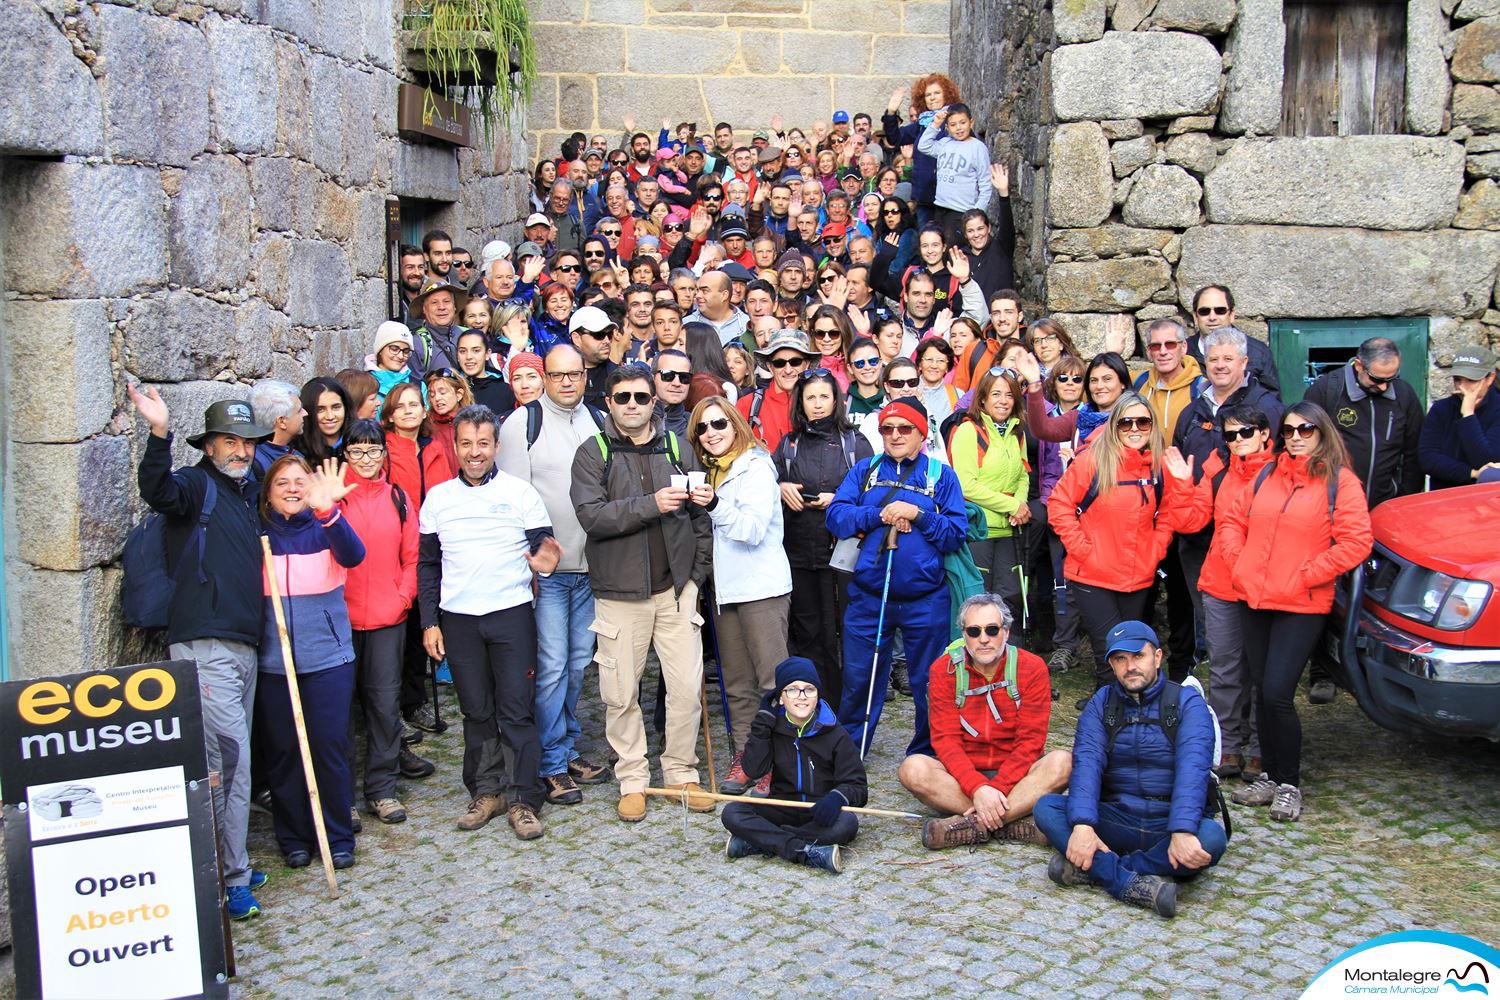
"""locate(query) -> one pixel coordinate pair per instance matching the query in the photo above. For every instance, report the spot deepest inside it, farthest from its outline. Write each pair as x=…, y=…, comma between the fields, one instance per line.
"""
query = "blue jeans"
x=923, y=624
x=564, y=611
x=1139, y=845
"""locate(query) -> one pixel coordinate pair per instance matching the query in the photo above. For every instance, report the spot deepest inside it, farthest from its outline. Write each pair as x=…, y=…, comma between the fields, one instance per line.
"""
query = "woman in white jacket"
x=752, y=578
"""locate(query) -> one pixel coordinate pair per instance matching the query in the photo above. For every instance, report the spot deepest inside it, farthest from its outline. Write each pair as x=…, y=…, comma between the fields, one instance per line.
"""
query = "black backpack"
x=1092, y=493
x=534, y=420
x=147, y=594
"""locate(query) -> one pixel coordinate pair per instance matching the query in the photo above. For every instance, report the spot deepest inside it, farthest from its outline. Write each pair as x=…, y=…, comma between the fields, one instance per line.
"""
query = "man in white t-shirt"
x=483, y=535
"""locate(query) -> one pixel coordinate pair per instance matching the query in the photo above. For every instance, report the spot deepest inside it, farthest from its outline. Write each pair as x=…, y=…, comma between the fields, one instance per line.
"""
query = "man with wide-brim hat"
x=435, y=342
x=769, y=410
x=215, y=611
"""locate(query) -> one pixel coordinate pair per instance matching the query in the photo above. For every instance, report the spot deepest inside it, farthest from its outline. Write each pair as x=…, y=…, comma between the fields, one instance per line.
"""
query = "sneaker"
x=424, y=720
x=736, y=782
x=240, y=902
x=481, y=811
x=736, y=848
x=1252, y=769
x=561, y=791
x=386, y=810
x=261, y=801
x=1287, y=805
x=258, y=878
x=410, y=737
x=524, y=821
x=1321, y=693
x=355, y=823
x=412, y=766
x=763, y=787
x=632, y=807
x=1061, y=661
x=953, y=831
x=1066, y=873
x=1260, y=792
x=443, y=674
x=1022, y=831
x=587, y=773
x=1230, y=766
x=1152, y=892
x=900, y=678
x=696, y=801
x=297, y=859
x=342, y=860
x=1082, y=703
x=828, y=859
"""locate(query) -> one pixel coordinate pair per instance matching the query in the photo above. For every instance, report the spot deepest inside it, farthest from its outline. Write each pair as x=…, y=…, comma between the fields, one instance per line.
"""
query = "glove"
x=826, y=811
x=769, y=701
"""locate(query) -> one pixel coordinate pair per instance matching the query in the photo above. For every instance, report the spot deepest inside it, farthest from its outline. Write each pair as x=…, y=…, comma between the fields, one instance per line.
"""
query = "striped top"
x=311, y=556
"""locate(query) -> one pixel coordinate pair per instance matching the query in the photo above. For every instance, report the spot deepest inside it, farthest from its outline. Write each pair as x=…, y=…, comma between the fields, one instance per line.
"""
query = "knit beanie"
x=391, y=332
x=907, y=408
x=793, y=669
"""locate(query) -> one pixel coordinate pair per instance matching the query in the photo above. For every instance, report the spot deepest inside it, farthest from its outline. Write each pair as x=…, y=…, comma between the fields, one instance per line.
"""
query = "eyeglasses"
x=780, y=363
x=1164, y=345
x=400, y=350
x=603, y=334
x=624, y=398
x=901, y=383
x=896, y=430
x=866, y=363
x=1212, y=310
x=674, y=376
x=1304, y=431
x=1136, y=423
x=975, y=631
x=800, y=691
x=813, y=373
x=364, y=454
x=573, y=376
x=1240, y=433
x=569, y=268
x=717, y=423
x=1073, y=379
x=1043, y=338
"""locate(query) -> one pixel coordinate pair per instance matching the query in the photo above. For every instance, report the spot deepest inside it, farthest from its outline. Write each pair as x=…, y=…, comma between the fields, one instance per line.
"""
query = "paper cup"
x=696, y=479
x=679, y=482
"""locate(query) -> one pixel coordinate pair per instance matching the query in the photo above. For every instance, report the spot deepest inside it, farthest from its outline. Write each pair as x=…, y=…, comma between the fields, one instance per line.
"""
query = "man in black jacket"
x=1379, y=416
x=1213, y=309
x=215, y=616
x=797, y=739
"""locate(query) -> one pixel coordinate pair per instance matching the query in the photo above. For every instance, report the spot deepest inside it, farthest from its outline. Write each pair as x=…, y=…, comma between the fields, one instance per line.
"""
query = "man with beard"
x=641, y=157
x=562, y=213
x=413, y=274
x=437, y=247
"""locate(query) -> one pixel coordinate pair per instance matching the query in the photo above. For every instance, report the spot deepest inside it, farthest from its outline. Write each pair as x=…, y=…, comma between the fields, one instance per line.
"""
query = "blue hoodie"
x=311, y=556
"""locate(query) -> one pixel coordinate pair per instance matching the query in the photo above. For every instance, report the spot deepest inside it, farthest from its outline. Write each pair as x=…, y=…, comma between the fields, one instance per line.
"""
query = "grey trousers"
x=752, y=641
x=1230, y=692
x=378, y=658
x=226, y=681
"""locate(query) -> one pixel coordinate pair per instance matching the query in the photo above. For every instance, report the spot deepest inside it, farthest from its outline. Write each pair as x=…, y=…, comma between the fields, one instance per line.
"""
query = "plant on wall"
x=480, y=52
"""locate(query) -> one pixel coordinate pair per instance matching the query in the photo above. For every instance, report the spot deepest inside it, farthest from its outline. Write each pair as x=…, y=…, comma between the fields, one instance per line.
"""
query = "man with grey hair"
x=567, y=221
x=1226, y=355
x=277, y=405
x=988, y=705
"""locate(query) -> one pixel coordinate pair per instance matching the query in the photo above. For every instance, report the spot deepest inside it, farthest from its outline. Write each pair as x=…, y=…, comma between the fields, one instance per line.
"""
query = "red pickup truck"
x=1423, y=652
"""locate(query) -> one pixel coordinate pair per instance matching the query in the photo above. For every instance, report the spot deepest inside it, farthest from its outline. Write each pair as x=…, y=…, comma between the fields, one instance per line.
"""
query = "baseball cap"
x=1129, y=637
x=833, y=230
x=528, y=249
x=1474, y=361
x=840, y=117
x=590, y=318
x=694, y=148
x=593, y=154
x=761, y=133
x=536, y=219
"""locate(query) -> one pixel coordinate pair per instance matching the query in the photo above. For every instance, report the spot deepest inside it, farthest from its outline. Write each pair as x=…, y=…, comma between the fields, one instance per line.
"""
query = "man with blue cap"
x=797, y=739
x=1140, y=803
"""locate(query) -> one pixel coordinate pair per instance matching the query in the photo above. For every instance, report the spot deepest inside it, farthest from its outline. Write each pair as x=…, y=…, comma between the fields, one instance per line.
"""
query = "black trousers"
x=1277, y=646
x=1181, y=630
x=785, y=832
x=1101, y=610
x=819, y=598
x=493, y=659
x=413, y=666
x=378, y=661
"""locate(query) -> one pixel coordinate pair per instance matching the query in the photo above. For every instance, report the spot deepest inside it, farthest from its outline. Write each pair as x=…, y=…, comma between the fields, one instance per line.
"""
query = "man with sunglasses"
x=988, y=705
x=648, y=553
x=769, y=410
x=834, y=240
x=1213, y=309
x=674, y=375
x=592, y=332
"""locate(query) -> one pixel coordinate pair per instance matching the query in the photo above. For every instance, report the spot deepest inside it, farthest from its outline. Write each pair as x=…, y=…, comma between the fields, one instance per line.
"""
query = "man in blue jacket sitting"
x=1136, y=813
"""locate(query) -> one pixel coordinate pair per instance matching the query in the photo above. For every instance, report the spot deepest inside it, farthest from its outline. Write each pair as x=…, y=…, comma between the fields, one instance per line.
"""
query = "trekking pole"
x=297, y=722
x=1018, y=545
x=890, y=554
x=708, y=739
x=752, y=800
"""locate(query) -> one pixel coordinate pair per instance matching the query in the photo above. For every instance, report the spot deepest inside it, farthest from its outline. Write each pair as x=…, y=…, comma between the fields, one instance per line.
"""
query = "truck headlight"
x=1466, y=599
x=1438, y=599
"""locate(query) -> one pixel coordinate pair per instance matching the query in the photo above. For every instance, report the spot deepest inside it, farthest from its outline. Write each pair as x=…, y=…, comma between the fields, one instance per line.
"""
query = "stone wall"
x=739, y=61
x=1162, y=171
x=191, y=196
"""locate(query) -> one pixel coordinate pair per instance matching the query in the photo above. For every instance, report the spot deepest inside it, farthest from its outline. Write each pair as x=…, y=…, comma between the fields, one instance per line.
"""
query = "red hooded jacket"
x=1216, y=577
x=380, y=590
x=415, y=466
x=1008, y=747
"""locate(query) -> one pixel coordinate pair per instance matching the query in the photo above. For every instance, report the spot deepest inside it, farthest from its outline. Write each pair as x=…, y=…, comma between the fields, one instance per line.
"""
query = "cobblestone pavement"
x=1396, y=834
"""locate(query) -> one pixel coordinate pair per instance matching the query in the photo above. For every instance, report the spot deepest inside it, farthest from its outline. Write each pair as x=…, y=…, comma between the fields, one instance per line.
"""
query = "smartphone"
x=808, y=497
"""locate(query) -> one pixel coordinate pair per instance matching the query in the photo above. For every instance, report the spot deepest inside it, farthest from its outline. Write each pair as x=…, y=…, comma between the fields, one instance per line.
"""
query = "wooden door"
x=1345, y=68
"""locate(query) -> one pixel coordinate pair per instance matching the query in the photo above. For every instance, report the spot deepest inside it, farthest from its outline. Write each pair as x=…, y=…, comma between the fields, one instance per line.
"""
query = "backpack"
x=846, y=438
x=1169, y=718
x=934, y=469
x=670, y=448
x=534, y=421
x=1092, y=493
x=148, y=590
x=398, y=500
x=958, y=667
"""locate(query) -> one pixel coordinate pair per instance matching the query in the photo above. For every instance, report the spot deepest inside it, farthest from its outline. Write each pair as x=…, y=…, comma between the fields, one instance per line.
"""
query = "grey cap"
x=1474, y=361
x=529, y=249
x=782, y=340
x=229, y=416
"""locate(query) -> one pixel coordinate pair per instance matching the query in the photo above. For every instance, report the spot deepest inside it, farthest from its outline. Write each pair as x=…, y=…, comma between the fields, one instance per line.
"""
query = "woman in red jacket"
x=1116, y=537
x=447, y=393
x=1289, y=537
x=380, y=592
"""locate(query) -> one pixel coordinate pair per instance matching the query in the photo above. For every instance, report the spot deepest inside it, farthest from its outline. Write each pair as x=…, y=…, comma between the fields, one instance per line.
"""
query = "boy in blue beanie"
x=796, y=738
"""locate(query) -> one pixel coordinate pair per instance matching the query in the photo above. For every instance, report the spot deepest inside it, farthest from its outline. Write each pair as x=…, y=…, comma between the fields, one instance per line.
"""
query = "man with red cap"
x=914, y=502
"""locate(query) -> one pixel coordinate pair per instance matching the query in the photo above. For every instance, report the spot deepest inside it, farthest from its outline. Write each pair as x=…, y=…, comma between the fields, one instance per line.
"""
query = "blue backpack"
x=148, y=590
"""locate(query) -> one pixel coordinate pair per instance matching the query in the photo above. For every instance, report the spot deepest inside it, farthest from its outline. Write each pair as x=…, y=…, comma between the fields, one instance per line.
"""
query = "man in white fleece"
x=963, y=169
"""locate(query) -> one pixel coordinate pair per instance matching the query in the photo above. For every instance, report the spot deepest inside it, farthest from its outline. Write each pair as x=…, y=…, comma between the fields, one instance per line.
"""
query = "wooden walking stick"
x=708, y=740
x=752, y=800
x=298, y=723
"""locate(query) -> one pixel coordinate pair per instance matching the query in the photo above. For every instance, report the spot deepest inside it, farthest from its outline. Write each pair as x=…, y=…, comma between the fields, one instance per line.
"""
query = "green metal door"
x=1303, y=349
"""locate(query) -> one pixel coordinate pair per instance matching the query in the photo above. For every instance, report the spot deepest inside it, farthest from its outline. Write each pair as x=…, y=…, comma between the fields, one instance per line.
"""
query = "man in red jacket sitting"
x=988, y=703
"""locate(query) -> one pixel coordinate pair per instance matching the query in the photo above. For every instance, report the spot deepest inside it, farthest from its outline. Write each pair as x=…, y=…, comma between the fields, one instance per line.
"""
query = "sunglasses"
x=830, y=240
x=717, y=423
x=640, y=398
x=1005, y=371
x=467, y=265
x=603, y=334
x=866, y=363
x=610, y=232
x=826, y=335
x=713, y=197
x=975, y=631
x=676, y=227
x=896, y=430
x=1165, y=345
x=1136, y=423
x=1073, y=379
x=569, y=268
x=827, y=278
x=901, y=383
x=618, y=163
x=1241, y=433
x=671, y=376
x=1304, y=431
x=813, y=373
x=593, y=253
x=890, y=211
x=780, y=363
x=1212, y=310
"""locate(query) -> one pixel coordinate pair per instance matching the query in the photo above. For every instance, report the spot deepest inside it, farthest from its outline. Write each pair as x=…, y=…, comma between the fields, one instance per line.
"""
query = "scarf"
x=718, y=467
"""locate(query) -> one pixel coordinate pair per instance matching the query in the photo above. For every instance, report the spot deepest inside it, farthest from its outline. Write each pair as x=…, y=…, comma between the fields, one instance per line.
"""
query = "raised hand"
x=958, y=265
x=1029, y=367
x=907, y=151
x=1119, y=334
x=666, y=123
x=859, y=319
x=897, y=96
x=1000, y=179
x=1177, y=467
x=700, y=223
x=150, y=406
x=629, y=122
x=326, y=487
x=532, y=269
x=838, y=292
x=776, y=124
x=942, y=323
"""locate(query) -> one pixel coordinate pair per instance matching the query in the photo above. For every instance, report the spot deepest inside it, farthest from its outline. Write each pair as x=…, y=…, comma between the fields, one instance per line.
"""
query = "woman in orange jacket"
x=1116, y=509
x=1289, y=537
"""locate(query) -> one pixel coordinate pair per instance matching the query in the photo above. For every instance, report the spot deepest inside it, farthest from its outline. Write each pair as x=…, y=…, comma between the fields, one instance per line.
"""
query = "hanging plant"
x=478, y=52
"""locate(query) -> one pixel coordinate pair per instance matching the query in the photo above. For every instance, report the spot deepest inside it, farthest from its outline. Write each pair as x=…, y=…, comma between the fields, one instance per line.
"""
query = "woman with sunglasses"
x=1116, y=509
x=751, y=576
x=486, y=384
x=831, y=335
x=811, y=461
x=901, y=381
x=1049, y=341
x=1104, y=380
x=866, y=393
x=896, y=228
x=1289, y=537
x=1063, y=390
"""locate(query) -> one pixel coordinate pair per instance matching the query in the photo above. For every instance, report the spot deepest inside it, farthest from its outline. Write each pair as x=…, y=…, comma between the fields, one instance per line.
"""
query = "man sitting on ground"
x=987, y=706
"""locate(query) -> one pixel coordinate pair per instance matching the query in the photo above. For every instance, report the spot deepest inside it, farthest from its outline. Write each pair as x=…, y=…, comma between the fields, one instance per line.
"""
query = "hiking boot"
x=763, y=787
x=261, y=801
x=386, y=810
x=1066, y=873
x=412, y=766
x=696, y=801
x=736, y=782
x=1230, y=766
x=297, y=858
x=953, y=831
x=900, y=678
x=410, y=737
x=1252, y=769
x=632, y=807
x=1260, y=792
x=355, y=823
x=735, y=848
x=1287, y=805
x=827, y=859
x=524, y=821
x=1321, y=693
x=424, y=720
x=1062, y=660
x=342, y=859
x=561, y=791
x=481, y=811
x=586, y=773
x=1022, y=831
x=1082, y=703
x=240, y=902
x=1152, y=892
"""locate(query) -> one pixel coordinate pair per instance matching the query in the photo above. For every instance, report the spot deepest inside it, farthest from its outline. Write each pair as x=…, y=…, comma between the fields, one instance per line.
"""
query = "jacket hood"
x=1180, y=379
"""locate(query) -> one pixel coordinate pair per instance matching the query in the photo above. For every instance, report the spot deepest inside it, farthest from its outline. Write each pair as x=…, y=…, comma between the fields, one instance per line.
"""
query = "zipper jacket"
x=311, y=556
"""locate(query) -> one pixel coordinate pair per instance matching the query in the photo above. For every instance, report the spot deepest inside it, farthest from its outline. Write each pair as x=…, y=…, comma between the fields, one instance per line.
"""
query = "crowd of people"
x=783, y=388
